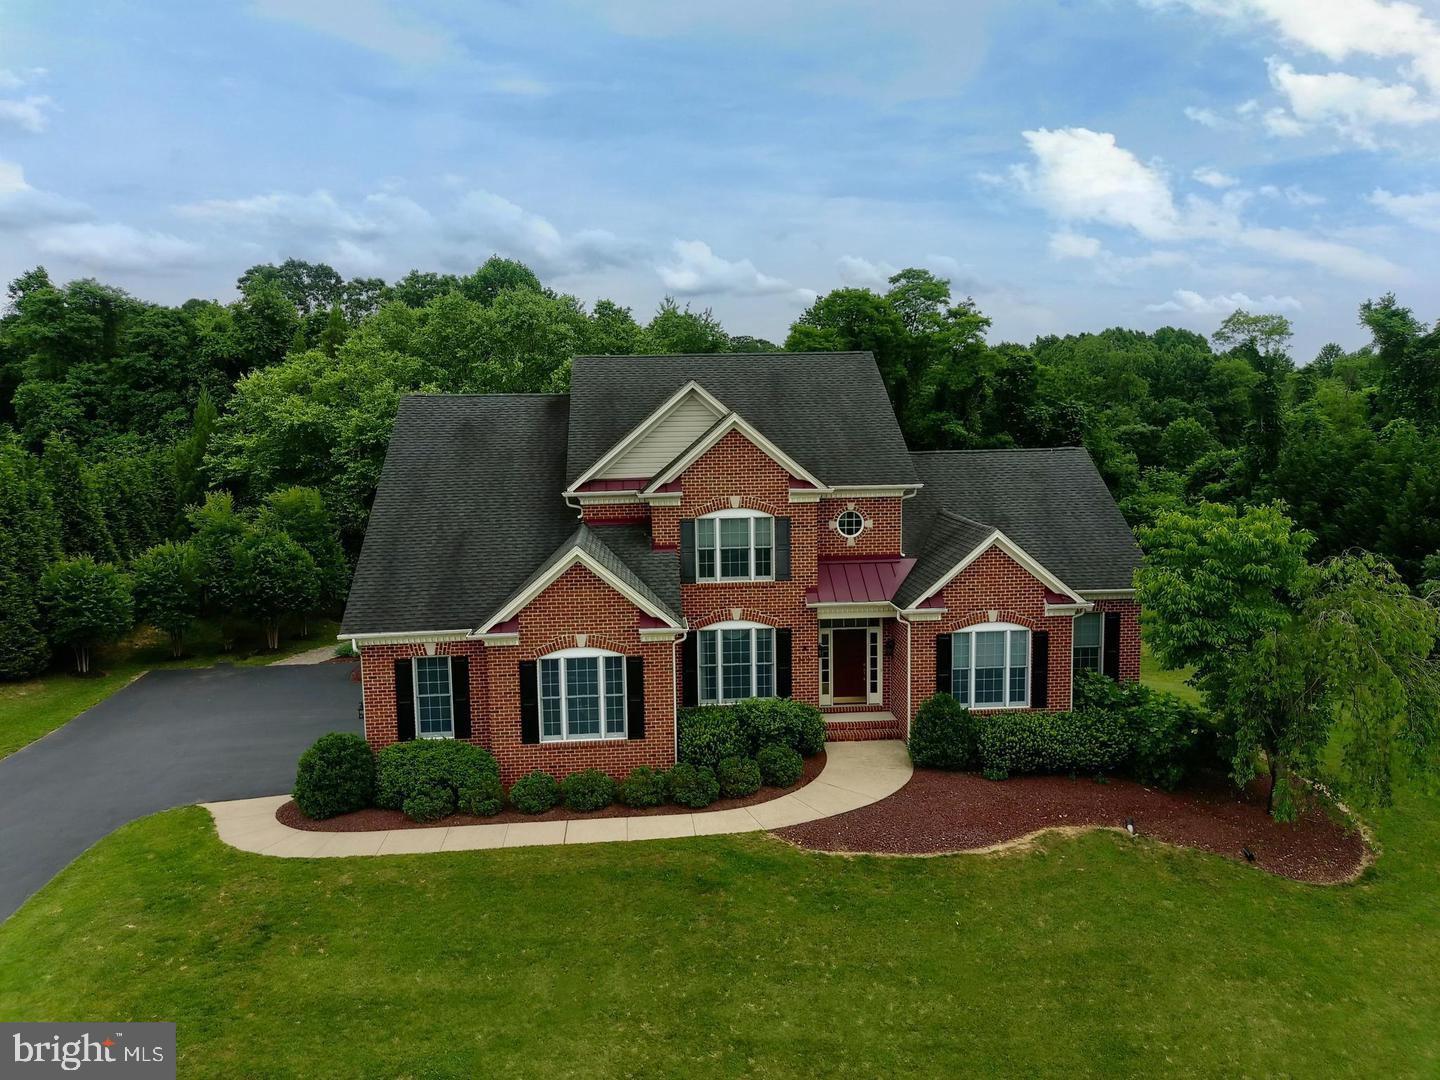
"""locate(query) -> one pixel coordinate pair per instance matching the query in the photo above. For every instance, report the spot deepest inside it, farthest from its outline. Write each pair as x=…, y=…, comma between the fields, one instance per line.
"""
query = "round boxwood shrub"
x=535, y=792
x=738, y=777
x=780, y=766
x=644, y=787
x=709, y=733
x=589, y=789
x=431, y=778
x=791, y=723
x=694, y=786
x=335, y=776
x=943, y=735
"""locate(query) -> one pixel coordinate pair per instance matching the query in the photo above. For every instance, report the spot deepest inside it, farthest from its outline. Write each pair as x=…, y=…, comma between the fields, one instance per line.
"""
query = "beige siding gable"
x=690, y=418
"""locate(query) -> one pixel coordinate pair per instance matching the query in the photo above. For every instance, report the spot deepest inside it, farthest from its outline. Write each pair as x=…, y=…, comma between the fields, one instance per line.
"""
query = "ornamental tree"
x=86, y=604
x=1291, y=655
x=275, y=577
x=166, y=580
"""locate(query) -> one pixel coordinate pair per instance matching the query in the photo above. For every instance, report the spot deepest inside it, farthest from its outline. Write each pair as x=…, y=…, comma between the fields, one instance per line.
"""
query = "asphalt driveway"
x=169, y=739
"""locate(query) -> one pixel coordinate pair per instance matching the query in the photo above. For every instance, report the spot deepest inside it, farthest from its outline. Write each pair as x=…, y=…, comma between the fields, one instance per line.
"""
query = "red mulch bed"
x=373, y=819
x=939, y=812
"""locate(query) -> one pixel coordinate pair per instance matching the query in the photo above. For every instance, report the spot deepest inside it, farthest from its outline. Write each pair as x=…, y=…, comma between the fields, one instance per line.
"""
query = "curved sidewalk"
x=856, y=774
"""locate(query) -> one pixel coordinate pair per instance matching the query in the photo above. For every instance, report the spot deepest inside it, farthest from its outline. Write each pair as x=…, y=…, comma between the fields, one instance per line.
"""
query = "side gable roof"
x=716, y=432
x=828, y=411
x=468, y=502
x=659, y=436
x=1052, y=503
x=954, y=543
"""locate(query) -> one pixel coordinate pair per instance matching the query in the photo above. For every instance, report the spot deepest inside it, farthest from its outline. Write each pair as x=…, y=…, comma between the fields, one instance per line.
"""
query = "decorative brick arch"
x=746, y=502
x=746, y=615
x=570, y=641
x=1002, y=615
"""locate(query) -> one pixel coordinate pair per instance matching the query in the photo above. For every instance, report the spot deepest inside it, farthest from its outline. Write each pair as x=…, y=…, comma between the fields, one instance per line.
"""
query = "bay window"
x=734, y=545
x=582, y=695
x=737, y=660
x=990, y=666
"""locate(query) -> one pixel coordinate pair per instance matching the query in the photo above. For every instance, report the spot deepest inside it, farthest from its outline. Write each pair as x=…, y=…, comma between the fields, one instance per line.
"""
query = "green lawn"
x=1152, y=674
x=38, y=706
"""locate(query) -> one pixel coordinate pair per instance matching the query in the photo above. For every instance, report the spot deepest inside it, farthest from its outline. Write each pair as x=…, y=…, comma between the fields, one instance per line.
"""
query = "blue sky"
x=1070, y=165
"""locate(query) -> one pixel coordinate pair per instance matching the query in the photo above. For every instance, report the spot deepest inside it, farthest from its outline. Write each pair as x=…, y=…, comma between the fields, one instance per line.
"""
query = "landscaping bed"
x=375, y=819
x=941, y=812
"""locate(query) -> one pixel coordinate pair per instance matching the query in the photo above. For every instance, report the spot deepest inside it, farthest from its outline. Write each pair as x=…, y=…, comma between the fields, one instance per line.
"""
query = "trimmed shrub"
x=335, y=776
x=1168, y=737
x=535, y=792
x=766, y=721
x=780, y=766
x=431, y=778
x=944, y=735
x=694, y=786
x=1035, y=742
x=709, y=733
x=590, y=789
x=644, y=787
x=738, y=777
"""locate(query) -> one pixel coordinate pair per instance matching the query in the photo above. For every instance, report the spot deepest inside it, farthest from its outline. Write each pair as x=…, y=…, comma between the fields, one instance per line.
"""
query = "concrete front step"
x=861, y=726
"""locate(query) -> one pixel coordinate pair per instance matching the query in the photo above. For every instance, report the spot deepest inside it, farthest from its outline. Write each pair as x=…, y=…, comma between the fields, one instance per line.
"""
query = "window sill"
x=732, y=581
x=559, y=740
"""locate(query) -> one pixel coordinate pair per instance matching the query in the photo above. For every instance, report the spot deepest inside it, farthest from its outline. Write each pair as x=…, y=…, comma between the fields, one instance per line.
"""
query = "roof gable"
x=955, y=547
x=657, y=439
x=707, y=441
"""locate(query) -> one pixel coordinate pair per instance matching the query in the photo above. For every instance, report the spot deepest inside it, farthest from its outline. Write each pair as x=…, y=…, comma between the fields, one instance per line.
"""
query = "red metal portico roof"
x=858, y=581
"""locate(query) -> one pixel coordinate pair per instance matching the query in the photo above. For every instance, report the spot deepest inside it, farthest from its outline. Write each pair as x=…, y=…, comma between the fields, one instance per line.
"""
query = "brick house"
x=554, y=576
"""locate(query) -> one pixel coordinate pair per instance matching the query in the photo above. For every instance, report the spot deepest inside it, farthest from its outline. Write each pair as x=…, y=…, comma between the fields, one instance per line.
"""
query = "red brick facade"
x=733, y=474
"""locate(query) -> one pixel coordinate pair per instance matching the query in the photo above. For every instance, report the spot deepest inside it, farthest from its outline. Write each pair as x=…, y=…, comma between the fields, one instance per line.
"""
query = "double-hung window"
x=1089, y=641
x=990, y=666
x=582, y=695
x=736, y=661
x=734, y=545
x=434, y=701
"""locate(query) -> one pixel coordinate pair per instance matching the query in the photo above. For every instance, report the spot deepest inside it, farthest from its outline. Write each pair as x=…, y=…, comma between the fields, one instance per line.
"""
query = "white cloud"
x=1072, y=245
x=862, y=273
x=23, y=206
x=696, y=270
x=318, y=211
x=27, y=113
x=1421, y=209
x=1352, y=105
x=368, y=24
x=1191, y=302
x=116, y=247
x=1294, y=194
x=1085, y=176
x=1214, y=178
x=1205, y=117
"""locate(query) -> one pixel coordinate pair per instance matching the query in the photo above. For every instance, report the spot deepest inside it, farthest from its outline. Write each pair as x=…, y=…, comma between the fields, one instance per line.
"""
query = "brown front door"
x=849, y=665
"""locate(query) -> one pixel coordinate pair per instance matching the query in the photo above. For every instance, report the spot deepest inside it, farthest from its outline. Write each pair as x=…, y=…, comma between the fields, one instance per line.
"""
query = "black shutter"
x=1040, y=669
x=690, y=670
x=1111, y=650
x=529, y=702
x=687, y=550
x=404, y=700
x=460, y=694
x=942, y=663
x=635, y=697
x=782, y=549
x=783, y=683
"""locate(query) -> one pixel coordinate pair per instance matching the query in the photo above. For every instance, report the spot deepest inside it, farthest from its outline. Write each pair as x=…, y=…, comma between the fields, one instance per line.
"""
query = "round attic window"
x=850, y=524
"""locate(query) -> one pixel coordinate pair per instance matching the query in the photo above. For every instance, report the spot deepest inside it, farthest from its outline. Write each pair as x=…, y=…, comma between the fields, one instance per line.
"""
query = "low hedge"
x=432, y=778
x=644, y=787
x=780, y=766
x=589, y=789
x=1169, y=738
x=944, y=735
x=335, y=776
x=535, y=792
x=694, y=786
x=1046, y=742
x=738, y=777
x=708, y=734
x=711, y=733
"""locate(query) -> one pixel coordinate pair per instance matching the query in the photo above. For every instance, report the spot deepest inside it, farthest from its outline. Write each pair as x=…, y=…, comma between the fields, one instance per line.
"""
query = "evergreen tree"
x=29, y=541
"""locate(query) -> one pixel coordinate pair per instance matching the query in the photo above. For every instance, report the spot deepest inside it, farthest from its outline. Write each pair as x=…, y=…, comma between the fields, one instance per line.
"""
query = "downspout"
x=908, y=671
x=675, y=643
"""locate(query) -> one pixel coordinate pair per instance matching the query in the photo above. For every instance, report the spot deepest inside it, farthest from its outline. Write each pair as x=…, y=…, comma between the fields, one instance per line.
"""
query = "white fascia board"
x=1108, y=594
x=873, y=491
x=404, y=637
x=499, y=640
x=838, y=610
x=734, y=422
x=927, y=614
x=660, y=633
x=641, y=429
x=1016, y=552
x=575, y=555
x=1052, y=610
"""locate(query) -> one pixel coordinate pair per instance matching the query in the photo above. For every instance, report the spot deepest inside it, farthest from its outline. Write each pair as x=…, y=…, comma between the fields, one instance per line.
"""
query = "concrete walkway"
x=856, y=774
x=309, y=656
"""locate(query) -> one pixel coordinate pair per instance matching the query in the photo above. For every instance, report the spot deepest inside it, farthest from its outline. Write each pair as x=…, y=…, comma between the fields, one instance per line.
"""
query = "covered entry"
x=851, y=671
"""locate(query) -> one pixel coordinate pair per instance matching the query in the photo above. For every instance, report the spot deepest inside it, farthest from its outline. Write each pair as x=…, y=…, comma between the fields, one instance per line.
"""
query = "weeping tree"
x=1295, y=657
x=87, y=604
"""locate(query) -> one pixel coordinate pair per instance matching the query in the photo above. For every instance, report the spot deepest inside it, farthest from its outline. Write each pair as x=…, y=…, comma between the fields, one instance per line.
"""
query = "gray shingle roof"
x=828, y=411
x=1053, y=503
x=468, y=503
x=951, y=537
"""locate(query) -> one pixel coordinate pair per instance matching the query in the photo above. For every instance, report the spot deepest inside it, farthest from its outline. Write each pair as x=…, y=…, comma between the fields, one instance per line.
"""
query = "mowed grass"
x=1174, y=682
x=741, y=956
x=36, y=707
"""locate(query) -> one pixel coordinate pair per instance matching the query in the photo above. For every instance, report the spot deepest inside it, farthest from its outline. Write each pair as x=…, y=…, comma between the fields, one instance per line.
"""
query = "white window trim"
x=717, y=516
x=970, y=688
x=732, y=624
x=575, y=654
x=874, y=653
x=864, y=524
x=415, y=693
x=1100, y=658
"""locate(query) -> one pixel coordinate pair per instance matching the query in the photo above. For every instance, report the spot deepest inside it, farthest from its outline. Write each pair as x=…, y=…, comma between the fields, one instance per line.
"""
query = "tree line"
x=168, y=463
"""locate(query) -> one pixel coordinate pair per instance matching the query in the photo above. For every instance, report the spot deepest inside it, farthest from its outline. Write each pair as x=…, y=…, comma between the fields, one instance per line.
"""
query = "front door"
x=850, y=665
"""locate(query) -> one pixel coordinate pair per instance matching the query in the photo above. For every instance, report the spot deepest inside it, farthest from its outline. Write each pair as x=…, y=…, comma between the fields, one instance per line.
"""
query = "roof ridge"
x=471, y=397
x=724, y=355
x=999, y=450
x=945, y=511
